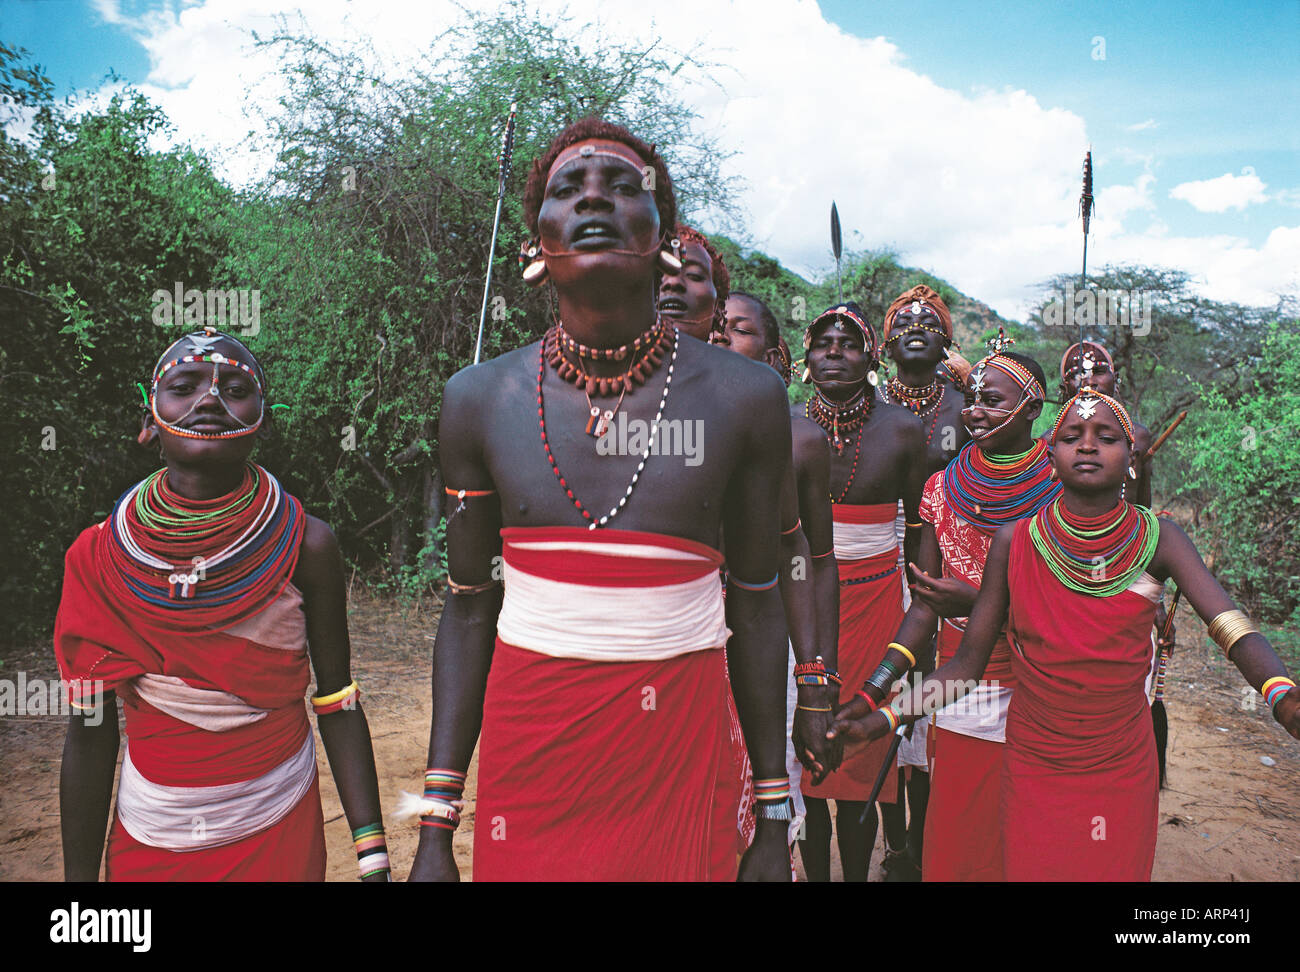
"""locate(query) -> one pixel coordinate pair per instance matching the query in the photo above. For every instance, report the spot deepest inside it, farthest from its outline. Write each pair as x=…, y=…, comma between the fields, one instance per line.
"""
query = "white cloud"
x=1147, y=125
x=978, y=187
x=1226, y=192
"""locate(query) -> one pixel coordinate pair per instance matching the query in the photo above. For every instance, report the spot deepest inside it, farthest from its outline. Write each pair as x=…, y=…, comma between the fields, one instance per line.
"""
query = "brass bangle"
x=915, y=525
x=1229, y=627
x=911, y=659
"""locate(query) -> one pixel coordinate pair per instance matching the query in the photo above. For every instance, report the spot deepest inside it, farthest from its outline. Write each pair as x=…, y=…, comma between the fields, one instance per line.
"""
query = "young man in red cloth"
x=809, y=582
x=1076, y=587
x=1004, y=474
x=597, y=679
x=917, y=336
x=694, y=298
x=877, y=458
x=199, y=602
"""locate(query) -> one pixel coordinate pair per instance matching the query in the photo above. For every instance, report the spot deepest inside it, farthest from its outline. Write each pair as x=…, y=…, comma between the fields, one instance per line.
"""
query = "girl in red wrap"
x=199, y=602
x=1077, y=586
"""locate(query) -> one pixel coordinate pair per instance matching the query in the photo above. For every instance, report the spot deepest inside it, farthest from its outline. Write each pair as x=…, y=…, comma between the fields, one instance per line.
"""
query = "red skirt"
x=291, y=850
x=871, y=609
x=963, y=833
x=606, y=771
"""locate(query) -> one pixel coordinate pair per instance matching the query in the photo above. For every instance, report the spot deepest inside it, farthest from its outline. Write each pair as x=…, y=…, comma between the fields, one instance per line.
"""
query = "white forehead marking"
x=1086, y=408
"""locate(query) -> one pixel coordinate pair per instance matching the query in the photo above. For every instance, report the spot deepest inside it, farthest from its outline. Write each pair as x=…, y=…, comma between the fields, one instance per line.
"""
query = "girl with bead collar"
x=1077, y=586
x=200, y=602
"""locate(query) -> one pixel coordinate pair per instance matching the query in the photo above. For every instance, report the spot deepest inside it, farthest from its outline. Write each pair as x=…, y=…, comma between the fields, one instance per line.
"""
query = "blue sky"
x=961, y=126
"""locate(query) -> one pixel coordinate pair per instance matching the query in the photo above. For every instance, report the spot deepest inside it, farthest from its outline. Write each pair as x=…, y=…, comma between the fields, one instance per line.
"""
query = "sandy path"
x=1224, y=816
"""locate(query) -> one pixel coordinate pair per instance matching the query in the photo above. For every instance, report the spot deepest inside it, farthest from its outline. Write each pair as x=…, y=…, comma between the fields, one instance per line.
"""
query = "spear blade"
x=837, y=247
x=503, y=173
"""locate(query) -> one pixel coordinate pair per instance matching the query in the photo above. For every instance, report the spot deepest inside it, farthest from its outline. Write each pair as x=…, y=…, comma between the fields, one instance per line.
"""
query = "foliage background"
x=368, y=241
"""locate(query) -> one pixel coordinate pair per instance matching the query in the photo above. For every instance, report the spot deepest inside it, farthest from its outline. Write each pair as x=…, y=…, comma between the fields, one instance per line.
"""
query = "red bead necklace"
x=592, y=521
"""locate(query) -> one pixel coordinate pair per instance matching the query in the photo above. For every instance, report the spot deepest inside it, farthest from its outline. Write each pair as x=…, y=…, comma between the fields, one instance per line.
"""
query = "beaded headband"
x=842, y=311
x=592, y=147
x=1017, y=372
x=1087, y=401
x=1081, y=348
x=201, y=344
x=916, y=308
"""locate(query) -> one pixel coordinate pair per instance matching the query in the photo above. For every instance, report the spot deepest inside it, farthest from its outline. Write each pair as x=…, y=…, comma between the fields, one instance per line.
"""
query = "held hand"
x=768, y=858
x=855, y=724
x=818, y=754
x=945, y=596
x=434, y=861
x=1287, y=712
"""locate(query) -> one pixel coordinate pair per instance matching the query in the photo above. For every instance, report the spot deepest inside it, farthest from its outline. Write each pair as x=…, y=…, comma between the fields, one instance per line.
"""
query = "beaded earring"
x=531, y=264
x=1132, y=473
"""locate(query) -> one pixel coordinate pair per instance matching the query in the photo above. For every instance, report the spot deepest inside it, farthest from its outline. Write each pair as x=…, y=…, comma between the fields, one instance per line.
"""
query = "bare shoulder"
x=807, y=434
x=744, y=383
x=465, y=388
x=1141, y=436
x=318, y=540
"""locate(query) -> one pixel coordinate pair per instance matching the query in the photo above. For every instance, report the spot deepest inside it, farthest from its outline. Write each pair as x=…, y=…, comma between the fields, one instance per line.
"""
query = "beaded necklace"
x=644, y=355
x=921, y=402
x=838, y=418
x=204, y=563
x=988, y=491
x=592, y=521
x=1095, y=555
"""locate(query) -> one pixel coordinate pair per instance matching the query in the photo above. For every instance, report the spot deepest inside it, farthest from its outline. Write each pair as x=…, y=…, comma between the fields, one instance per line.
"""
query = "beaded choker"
x=1095, y=555
x=644, y=355
x=921, y=402
x=204, y=563
x=989, y=491
x=839, y=420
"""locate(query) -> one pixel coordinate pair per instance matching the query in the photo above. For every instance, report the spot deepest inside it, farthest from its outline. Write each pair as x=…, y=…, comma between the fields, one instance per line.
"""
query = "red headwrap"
x=1074, y=350
x=928, y=300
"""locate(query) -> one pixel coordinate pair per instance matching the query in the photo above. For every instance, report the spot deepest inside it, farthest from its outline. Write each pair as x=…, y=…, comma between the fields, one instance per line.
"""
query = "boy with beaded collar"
x=200, y=602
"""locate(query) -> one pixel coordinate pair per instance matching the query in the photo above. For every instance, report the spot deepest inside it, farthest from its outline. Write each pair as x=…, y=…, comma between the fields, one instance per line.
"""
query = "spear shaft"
x=503, y=173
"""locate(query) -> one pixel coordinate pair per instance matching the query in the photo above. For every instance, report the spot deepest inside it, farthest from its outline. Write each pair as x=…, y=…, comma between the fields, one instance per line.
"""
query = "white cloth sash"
x=594, y=623
x=191, y=818
x=857, y=541
x=208, y=709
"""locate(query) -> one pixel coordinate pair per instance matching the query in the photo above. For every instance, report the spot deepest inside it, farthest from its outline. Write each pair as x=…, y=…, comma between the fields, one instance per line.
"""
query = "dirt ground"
x=1225, y=815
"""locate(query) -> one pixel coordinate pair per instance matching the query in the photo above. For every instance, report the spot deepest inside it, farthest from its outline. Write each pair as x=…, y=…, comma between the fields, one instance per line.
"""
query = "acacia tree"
x=369, y=240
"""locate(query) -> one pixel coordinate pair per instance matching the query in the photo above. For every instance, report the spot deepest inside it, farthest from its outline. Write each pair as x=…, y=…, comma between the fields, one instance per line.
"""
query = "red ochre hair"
x=596, y=128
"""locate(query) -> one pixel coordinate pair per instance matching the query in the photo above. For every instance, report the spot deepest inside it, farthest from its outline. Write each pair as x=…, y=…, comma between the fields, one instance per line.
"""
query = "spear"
x=837, y=246
x=1086, y=206
x=503, y=173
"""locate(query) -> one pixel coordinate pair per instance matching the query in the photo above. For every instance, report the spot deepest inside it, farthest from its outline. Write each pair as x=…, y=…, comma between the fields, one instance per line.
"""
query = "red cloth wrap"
x=584, y=776
x=99, y=637
x=291, y=850
x=870, y=614
x=963, y=834
x=1080, y=790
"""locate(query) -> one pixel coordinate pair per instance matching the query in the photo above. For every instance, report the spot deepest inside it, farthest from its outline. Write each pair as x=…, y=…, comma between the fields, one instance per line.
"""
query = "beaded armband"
x=442, y=789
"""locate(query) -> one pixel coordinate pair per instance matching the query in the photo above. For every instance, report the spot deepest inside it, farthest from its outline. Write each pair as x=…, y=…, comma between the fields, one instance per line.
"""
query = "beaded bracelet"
x=913, y=525
x=1274, y=689
x=903, y=650
x=755, y=587
x=372, y=849
x=441, y=787
x=345, y=698
x=889, y=714
x=772, y=791
x=814, y=708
